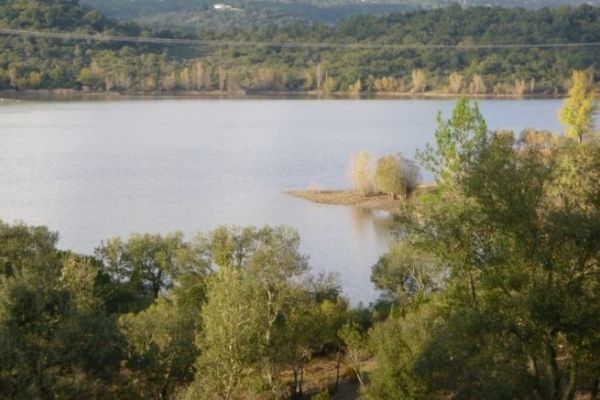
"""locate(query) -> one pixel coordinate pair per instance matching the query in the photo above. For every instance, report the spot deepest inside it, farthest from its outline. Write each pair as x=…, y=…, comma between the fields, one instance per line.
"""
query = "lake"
x=97, y=169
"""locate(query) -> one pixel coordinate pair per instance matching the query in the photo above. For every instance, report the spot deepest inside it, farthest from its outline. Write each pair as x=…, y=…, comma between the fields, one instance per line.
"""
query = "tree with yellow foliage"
x=577, y=113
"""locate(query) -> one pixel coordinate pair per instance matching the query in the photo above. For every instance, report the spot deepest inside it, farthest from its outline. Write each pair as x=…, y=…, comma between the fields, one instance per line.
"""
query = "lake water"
x=97, y=169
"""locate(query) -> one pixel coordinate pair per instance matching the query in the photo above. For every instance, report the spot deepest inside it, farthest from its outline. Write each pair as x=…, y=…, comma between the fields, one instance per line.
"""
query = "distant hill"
x=57, y=14
x=45, y=63
x=201, y=14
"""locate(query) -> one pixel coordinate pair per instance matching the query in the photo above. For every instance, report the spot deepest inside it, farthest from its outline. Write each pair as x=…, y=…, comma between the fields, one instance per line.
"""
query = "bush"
x=396, y=175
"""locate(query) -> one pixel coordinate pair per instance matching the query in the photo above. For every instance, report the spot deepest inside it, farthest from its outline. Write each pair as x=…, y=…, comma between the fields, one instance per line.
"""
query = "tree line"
x=38, y=63
x=221, y=316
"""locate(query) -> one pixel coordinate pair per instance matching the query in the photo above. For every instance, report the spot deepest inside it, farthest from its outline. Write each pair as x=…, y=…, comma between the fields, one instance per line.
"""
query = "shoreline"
x=75, y=94
x=371, y=201
x=380, y=202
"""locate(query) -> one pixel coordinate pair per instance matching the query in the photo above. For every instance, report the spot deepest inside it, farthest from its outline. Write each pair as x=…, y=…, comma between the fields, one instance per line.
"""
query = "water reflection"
x=368, y=222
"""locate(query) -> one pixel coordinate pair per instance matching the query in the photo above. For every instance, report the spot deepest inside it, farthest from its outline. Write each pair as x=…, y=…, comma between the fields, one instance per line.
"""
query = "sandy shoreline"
x=372, y=201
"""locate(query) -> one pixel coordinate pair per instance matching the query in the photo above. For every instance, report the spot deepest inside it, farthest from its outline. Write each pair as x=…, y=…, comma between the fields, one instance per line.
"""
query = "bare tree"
x=419, y=81
x=360, y=172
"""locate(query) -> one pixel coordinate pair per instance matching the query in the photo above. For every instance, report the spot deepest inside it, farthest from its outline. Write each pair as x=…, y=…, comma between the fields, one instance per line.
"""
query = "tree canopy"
x=513, y=231
x=41, y=63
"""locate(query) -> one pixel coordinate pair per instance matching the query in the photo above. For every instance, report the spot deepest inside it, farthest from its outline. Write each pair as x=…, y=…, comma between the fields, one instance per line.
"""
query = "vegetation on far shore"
x=194, y=14
x=43, y=63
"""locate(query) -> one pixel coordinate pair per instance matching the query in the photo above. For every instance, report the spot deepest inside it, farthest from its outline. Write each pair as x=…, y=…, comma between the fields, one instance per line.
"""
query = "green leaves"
x=577, y=113
x=514, y=234
x=149, y=265
x=161, y=347
x=55, y=338
x=457, y=142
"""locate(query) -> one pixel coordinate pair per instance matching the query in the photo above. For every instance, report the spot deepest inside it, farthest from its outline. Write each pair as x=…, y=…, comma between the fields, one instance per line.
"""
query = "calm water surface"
x=97, y=169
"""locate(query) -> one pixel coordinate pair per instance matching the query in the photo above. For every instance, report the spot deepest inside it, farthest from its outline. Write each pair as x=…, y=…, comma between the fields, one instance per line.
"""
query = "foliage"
x=161, y=348
x=406, y=274
x=360, y=172
x=355, y=348
x=419, y=81
x=577, y=113
x=397, y=342
x=198, y=14
x=55, y=336
x=457, y=142
x=322, y=395
x=106, y=326
x=388, y=176
x=396, y=175
x=148, y=265
x=38, y=63
x=514, y=228
x=262, y=314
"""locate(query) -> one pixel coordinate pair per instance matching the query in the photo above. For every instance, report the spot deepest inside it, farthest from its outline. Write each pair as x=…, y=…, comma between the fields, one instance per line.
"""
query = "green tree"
x=56, y=339
x=515, y=233
x=577, y=113
x=161, y=351
x=233, y=333
x=252, y=303
x=406, y=274
x=355, y=349
x=147, y=265
x=397, y=344
x=458, y=141
x=388, y=176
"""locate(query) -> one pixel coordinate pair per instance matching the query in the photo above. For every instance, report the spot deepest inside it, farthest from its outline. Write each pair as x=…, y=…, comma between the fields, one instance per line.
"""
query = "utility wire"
x=304, y=45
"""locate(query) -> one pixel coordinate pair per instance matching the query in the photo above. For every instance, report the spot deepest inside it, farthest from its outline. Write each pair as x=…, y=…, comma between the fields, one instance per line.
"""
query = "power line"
x=306, y=45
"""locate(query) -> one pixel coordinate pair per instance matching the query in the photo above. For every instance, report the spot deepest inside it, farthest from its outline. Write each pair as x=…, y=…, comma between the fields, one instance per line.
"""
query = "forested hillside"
x=129, y=8
x=199, y=14
x=27, y=63
x=126, y=8
x=256, y=14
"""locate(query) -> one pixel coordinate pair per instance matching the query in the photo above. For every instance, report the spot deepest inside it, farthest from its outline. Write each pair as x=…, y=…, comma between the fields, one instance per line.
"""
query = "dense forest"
x=191, y=15
x=308, y=10
x=43, y=63
x=245, y=15
x=490, y=290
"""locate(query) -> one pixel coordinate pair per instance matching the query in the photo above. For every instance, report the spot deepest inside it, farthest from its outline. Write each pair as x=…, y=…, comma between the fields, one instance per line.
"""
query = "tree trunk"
x=473, y=290
x=337, y=367
x=540, y=390
x=301, y=380
x=555, y=375
x=572, y=385
x=295, y=392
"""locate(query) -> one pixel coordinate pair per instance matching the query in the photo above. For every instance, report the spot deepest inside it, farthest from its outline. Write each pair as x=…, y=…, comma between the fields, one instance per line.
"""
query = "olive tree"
x=253, y=303
x=147, y=265
x=56, y=339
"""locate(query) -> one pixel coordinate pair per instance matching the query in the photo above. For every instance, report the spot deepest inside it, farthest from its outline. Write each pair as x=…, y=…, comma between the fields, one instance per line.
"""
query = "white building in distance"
x=224, y=7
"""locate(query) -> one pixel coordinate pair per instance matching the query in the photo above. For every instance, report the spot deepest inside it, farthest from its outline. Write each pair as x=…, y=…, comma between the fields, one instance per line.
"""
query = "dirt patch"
x=320, y=373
